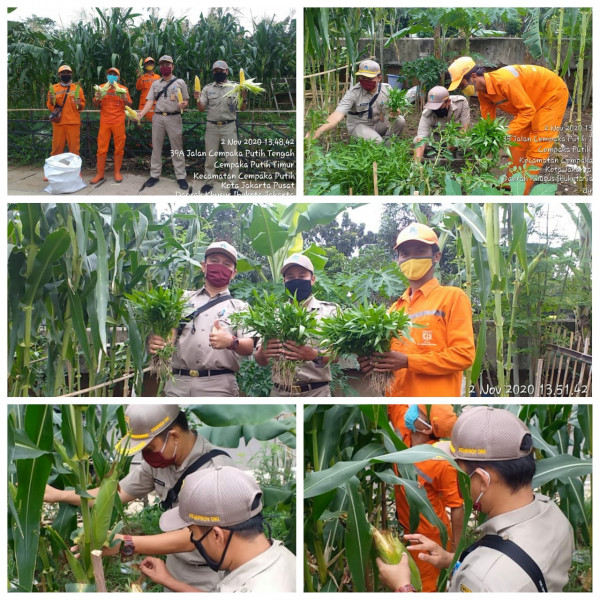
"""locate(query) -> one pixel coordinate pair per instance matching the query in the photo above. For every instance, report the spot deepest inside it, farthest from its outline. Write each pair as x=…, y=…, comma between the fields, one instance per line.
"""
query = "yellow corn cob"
x=141, y=63
x=179, y=96
x=76, y=93
x=131, y=113
x=51, y=92
x=390, y=550
x=242, y=77
x=197, y=87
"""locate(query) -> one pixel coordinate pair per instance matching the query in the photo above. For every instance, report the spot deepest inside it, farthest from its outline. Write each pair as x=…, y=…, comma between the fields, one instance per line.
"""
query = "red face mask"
x=156, y=459
x=165, y=71
x=368, y=84
x=218, y=275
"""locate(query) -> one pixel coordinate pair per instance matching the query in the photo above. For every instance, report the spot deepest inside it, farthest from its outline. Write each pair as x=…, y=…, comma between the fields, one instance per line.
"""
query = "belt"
x=167, y=114
x=194, y=373
x=301, y=387
x=221, y=122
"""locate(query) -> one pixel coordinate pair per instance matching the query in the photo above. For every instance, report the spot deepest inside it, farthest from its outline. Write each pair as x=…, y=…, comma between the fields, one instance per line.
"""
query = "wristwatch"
x=235, y=342
x=319, y=361
x=127, y=547
x=406, y=588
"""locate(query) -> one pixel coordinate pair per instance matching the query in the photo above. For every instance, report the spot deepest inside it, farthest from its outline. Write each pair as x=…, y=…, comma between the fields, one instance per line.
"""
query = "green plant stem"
x=308, y=580
x=24, y=386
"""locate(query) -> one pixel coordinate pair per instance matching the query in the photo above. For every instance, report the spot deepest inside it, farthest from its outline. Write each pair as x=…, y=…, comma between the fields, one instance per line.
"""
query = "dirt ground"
x=564, y=167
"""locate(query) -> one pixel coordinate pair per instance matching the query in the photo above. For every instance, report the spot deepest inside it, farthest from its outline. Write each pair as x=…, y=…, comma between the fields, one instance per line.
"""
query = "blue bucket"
x=394, y=81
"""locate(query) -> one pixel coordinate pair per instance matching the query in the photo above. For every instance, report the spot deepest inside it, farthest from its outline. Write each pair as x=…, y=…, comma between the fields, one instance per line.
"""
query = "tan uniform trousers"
x=380, y=130
x=184, y=386
x=322, y=392
x=173, y=127
x=226, y=136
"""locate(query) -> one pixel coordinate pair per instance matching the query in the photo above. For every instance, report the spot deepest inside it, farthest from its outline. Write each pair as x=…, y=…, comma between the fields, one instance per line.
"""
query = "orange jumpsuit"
x=144, y=83
x=440, y=350
x=68, y=129
x=440, y=480
x=112, y=122
x=537, y=98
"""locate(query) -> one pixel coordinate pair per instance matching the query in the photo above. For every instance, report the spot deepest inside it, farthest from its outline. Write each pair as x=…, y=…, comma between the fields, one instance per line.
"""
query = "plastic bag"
x=63, y=172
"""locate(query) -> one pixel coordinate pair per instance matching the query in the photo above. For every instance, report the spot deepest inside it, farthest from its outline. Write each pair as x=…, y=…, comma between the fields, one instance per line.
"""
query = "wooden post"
x=376, y=190
x=98, y=570
x=586, y=345
x=538, y=377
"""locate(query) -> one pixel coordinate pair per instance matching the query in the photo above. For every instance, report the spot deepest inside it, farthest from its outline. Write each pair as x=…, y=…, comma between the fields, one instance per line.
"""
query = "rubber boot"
x=100, y=164
x=118, y=159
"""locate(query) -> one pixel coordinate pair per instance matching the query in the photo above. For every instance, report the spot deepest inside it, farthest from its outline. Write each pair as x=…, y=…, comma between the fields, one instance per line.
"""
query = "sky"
x=66, y=14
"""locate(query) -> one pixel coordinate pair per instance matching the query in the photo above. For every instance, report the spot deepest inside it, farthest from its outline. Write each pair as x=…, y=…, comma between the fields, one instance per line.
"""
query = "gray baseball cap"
x=165, y=58
x=436, y=97
x=483, y=433
x=145, y=422
x=222, y=248
x=220, y=64
x=219, y=496
x=369, y=68
x=297, y=259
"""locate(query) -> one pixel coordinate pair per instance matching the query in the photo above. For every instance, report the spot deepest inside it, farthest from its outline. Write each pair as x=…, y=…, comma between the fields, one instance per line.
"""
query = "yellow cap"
x=458, y=69
x=417, y=232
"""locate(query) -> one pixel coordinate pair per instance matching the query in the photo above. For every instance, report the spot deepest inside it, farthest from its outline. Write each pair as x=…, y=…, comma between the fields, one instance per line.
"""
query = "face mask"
x=416, y=268
x=411, y=416
x=165, y=71
x=301, y=288
x=477, y=503
x=220, y=77
x=156, y=459
x=149, y=67
x=65, y=78
x=441, y=112
x=368, y=84
x=218, y=275
x=112, y=78
x=469, y=90
x=213, y=564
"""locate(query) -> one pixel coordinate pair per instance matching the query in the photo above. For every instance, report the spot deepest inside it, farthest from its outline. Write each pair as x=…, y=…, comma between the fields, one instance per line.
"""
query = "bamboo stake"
x=538, y=377
x=582, y=373
x=567, y=363
x=376, y=190
x=98, y=571
x=101, y=385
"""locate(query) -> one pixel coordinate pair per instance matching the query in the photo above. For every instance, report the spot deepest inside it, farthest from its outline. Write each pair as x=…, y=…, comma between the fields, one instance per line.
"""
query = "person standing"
x=112, y=100
x=535, y=96
x=439, y=110
x=167, y=120
x=67, y=130
x=436, y=476
x=313, y=376
x=144, y=83
x=208, y=351
x=442, y=346
x=365, y=106
x=221, y=126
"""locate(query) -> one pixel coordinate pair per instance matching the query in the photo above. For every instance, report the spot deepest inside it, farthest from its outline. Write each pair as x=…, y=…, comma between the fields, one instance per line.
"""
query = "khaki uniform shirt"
x=459, y=109
x=143, y=479
x=218, y=107
x=541, y=530
x=192, y=349
x=170, y=102
x=273, y=571
x=309, y=372
x=356, y=99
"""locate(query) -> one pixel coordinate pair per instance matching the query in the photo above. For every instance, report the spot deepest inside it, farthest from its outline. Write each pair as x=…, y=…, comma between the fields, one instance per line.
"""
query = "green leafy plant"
x=277, y=318
x=160, y=310
x=362, y=331
x=398, y=102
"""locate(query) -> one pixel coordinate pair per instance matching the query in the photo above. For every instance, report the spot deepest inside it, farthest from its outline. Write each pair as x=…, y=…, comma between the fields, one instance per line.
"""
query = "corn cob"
x=390, y=550
x=52, y=94
x=131, y=113
x=179, y=96
x=76, y=93
x=244, y=84
x=242, y=77
x=197, y=86
x=102, y=89
x=141, y=63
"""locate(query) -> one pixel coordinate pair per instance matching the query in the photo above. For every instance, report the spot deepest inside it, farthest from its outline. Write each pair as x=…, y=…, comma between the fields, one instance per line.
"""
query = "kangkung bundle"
x=160, y=310
x=390, y=549
x=278, y=318
x=363, y=330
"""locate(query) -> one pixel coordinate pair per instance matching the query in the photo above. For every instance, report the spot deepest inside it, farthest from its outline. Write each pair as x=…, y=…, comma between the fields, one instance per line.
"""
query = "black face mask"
x=441, y=112
x=220, y=77
x=301, y=288
x=65, y=78
x=213, y=564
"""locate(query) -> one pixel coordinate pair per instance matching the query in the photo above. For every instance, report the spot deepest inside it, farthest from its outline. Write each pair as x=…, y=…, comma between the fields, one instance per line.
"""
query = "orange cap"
x=442, y=419
x=149, y=59
x=113, y=69
x=65, y=68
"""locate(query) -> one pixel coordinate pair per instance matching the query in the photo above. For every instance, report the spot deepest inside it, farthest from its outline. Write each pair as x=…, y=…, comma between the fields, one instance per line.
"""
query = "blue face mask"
x=112, y=78
x=412, y=415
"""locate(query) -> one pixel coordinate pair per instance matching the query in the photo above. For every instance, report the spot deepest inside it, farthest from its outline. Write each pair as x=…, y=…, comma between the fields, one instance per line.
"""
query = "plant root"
x=380, y=382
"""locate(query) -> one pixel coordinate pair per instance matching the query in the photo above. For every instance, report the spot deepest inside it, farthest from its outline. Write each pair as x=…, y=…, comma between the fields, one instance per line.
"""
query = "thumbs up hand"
x=219, y=338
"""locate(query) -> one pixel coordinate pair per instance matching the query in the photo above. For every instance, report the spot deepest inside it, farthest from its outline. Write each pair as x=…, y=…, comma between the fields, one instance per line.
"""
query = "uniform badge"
x=464, y=588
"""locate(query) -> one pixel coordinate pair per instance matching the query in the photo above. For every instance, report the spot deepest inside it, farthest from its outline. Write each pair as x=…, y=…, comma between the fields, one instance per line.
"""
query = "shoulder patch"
x=464, y=588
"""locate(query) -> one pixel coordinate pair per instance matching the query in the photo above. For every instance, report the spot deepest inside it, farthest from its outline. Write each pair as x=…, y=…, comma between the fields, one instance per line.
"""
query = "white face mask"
x=477, y=503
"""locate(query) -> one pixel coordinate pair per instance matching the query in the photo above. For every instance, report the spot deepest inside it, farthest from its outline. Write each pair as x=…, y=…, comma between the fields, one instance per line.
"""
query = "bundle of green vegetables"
x=278, y=318
x=160, y=310
x=398, y=101
x=363, y=330
x=390, y=549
